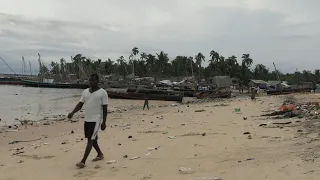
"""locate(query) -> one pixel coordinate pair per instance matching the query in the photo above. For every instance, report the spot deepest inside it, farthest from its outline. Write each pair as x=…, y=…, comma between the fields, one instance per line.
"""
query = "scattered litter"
x=46, y=123
x=129, y=137
x=67, y=150
x=172, y=137
x=125, y=156
x=246, y=133
x=151, y=149
x=245, y=118
x=250, y=159
x=21, y=152
x=11, y=130
x=72, y=132
x=134, y=158
x=16, y=149
x=45, y=143
x=65, y=142
x=184, y=170
x=112, y=162
x=15, y=142
x=209, y=178
x=20, y=161
x=148, y=153
x=201, y=110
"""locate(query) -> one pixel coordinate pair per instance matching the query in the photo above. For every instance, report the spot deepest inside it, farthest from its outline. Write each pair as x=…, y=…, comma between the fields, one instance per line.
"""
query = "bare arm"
x=105, y=113
x=78, y=107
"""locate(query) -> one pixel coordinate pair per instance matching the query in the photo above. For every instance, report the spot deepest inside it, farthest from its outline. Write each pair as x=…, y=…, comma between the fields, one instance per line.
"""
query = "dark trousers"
x=146, y=103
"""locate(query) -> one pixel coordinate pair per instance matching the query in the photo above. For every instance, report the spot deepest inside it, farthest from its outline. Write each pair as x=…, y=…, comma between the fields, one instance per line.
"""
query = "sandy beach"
x=210, y=138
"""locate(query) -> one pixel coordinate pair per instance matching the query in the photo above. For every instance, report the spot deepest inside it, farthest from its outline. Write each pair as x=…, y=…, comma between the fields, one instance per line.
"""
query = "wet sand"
x=213, y=142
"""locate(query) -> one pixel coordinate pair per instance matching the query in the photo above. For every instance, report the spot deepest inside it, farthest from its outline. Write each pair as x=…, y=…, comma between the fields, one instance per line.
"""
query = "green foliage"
x=160, y=66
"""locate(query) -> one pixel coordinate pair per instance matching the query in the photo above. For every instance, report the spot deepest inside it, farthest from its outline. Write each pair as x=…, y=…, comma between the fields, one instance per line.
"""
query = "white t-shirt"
x=93, y=104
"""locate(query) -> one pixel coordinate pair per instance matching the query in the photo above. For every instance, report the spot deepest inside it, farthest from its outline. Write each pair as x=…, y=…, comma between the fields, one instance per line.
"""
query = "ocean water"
x=27, y=103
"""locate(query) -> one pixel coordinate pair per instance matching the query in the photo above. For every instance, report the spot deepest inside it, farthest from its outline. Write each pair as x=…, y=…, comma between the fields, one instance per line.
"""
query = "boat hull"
x=288, y=91
x=55, y=85
x=141, y=96
x=11, y=81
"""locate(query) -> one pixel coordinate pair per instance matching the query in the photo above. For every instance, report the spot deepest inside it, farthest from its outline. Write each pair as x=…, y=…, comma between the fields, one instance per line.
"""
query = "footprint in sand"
x=84, y=174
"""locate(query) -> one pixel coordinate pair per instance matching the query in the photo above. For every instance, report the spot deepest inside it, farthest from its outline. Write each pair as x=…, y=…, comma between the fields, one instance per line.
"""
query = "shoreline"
x=210, y=138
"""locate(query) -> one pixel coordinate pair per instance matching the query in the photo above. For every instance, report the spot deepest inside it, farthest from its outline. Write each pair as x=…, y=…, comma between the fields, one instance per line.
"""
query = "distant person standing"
x=241, y=87
x=253, y=93
x=146, y=102
x=95, y=100
x=314, y=84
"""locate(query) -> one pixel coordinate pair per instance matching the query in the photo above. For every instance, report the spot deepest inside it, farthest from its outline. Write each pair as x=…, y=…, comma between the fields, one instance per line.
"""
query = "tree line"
x=160, y=66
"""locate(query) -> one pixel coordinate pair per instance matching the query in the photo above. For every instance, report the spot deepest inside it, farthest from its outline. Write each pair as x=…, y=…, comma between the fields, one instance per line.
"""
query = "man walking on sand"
x=95, y=100
x=146, y=102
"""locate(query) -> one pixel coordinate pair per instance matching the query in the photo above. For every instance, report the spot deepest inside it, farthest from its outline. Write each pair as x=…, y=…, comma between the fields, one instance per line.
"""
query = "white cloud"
x=284, y=31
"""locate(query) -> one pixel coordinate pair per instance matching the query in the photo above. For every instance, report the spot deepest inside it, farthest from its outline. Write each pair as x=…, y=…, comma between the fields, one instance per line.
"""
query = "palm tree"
x=247, y=61
x=232, y=66
x=135, y=51
x=163, y=60
x=143, y=57
x=151, y=59
x=213, y=62
x=246, y=64
x=317, y=74
x=122, y=63
x=199, y=59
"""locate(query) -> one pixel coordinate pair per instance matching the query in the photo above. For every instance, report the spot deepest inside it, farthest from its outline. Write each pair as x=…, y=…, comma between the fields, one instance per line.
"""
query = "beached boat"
x=186, y=92
x=11, y=81
x=288, y=91
x=214, y=94
x=29, y=83
x=141, y=96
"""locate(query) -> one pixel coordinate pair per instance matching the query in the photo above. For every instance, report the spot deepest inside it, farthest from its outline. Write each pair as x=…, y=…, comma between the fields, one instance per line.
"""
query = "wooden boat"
x=287, y=91
x=214, y=94
x=141, y=96
x=11, y=81
x=29, y=83
x=186, y=92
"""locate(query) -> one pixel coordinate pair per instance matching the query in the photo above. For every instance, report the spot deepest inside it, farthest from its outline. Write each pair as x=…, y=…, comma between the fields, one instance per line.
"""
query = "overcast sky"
x=283, y=31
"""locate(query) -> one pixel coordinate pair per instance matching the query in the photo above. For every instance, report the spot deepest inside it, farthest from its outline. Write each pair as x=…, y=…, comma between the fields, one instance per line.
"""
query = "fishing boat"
x=169, y=96
x=11, y=81
x=186, y=92
x=213, y=94
x=287, y=91
x=29, y=83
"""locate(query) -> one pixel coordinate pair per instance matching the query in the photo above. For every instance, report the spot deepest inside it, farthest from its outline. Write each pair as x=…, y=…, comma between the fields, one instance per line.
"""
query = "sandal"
x=80, y=165
x=98, y=158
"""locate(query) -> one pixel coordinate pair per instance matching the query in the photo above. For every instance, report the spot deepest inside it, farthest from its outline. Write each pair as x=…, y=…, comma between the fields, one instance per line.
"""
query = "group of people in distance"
x=95, y=101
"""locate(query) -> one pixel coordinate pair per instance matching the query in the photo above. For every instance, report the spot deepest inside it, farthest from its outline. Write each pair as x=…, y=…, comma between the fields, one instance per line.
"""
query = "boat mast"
x=23, y=66
x=276, y=72
x=8, y=65
x=192, y=74
x=40, y=66
x=30, y=68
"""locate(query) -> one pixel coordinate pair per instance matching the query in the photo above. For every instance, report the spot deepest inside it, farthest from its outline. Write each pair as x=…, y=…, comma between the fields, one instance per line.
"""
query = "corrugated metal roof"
x=257, y=81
